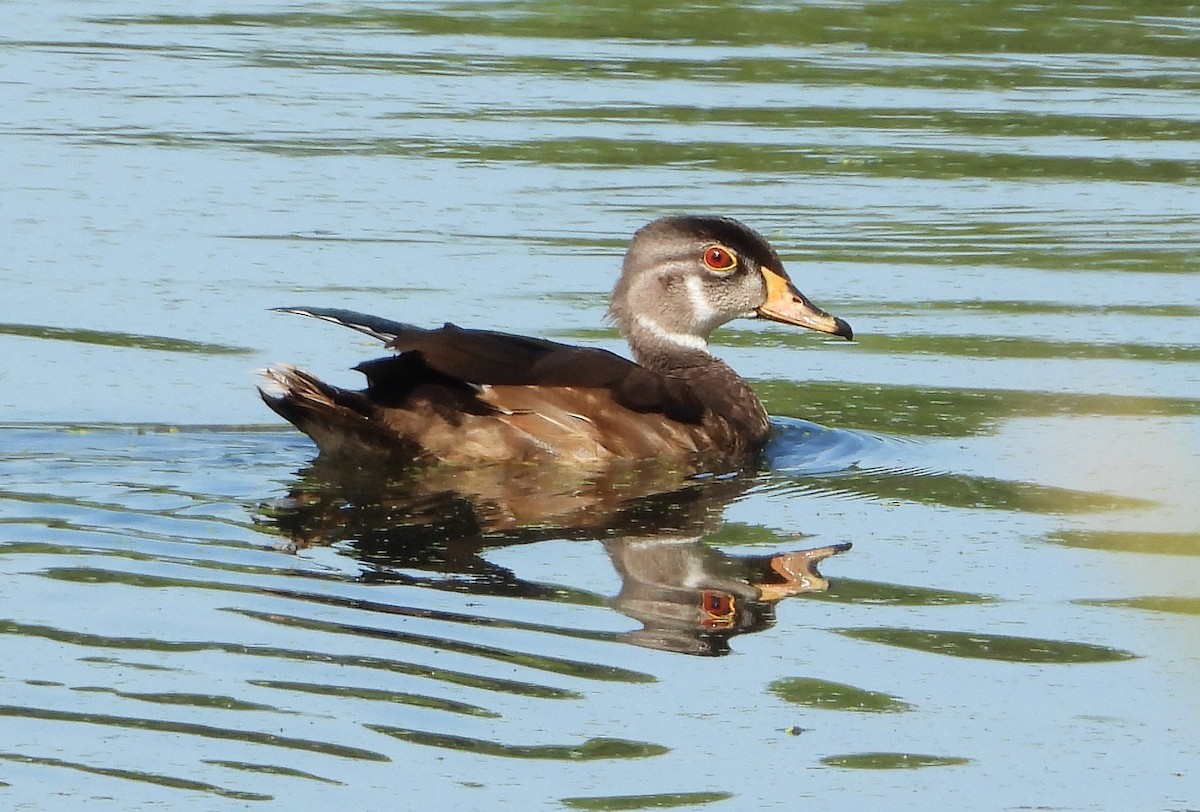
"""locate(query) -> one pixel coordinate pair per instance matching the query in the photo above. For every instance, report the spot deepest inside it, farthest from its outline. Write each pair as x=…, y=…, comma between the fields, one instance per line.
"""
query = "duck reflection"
x=431, y=526
x=693, y=598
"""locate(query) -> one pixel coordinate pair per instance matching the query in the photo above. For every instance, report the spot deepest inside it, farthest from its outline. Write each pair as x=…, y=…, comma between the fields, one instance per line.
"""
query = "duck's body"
x=474, y=396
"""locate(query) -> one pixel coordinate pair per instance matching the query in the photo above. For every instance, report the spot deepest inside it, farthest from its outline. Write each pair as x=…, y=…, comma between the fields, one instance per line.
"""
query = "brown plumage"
x=475, y=396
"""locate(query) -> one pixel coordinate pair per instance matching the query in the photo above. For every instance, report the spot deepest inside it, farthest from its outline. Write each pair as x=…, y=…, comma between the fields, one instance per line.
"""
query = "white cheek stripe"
x=692, y=342
x=703, y=310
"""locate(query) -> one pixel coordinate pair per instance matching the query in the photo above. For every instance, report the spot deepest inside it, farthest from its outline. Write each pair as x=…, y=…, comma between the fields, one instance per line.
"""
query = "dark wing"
x=464, y=360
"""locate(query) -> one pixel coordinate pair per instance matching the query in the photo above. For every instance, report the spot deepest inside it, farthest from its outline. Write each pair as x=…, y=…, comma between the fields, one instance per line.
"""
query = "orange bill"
x=787, y=305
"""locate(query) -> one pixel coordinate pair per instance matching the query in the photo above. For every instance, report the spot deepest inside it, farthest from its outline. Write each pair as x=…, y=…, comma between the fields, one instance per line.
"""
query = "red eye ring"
x=719, y=259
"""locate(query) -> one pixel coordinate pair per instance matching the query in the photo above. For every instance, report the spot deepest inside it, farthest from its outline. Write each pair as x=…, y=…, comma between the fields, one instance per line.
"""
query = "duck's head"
x=685, y=276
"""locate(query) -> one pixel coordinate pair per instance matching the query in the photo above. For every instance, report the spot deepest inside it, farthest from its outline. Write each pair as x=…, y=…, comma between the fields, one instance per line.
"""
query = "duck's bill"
x=799, y=573
x=787, y=305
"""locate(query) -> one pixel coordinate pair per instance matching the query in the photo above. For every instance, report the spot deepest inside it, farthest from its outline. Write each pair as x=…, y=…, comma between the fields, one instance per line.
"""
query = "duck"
x=473, y=397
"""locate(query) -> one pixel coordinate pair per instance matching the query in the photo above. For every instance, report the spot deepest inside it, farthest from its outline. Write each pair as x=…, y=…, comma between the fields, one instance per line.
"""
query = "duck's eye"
x=719, y=259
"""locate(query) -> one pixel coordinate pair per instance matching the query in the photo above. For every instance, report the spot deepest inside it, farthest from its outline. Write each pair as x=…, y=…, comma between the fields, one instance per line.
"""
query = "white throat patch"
x=692, y=342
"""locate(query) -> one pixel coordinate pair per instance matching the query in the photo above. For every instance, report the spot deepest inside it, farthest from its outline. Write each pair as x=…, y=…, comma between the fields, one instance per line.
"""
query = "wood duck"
x=476, y=396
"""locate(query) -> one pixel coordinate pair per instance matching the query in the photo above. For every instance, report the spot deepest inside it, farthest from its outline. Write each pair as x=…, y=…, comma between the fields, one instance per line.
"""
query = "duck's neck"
x=662, y=349
x=736, y=412
x=728, y=399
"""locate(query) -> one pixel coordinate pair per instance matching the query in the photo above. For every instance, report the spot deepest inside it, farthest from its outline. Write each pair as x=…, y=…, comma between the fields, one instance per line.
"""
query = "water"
x=1001, y=200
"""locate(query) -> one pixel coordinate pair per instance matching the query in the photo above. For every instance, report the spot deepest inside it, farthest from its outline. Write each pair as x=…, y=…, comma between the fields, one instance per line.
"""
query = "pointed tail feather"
x=383, y=329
